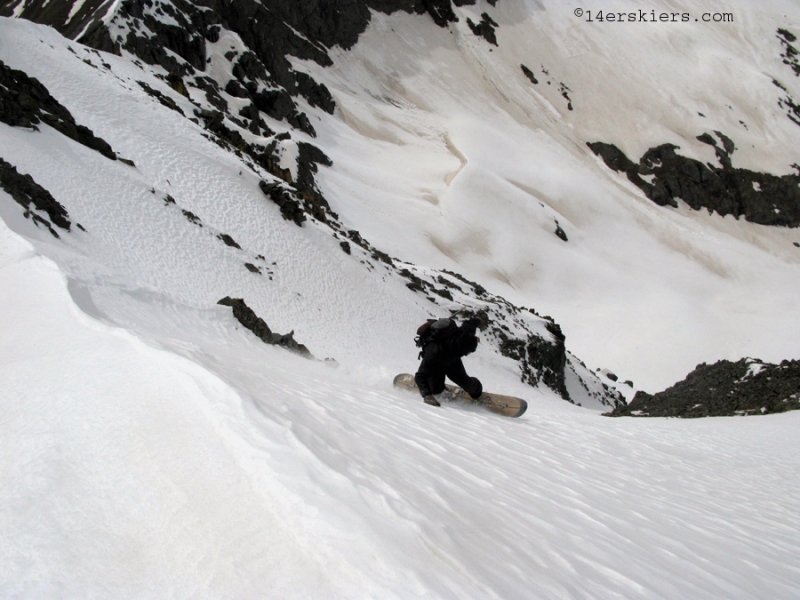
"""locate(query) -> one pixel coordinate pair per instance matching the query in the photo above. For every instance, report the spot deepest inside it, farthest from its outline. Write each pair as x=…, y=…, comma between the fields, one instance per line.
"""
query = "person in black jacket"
x=446, y=343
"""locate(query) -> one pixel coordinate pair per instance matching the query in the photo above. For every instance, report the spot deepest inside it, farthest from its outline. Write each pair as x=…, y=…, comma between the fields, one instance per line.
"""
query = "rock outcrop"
x=36, y=200
x=25, y=102
x=745, y=387
x=250, y=320
x=665, y=177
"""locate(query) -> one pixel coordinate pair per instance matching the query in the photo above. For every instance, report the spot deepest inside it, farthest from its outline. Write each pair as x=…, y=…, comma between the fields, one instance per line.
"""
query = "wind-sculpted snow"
x=205, y=463
x=152, y=446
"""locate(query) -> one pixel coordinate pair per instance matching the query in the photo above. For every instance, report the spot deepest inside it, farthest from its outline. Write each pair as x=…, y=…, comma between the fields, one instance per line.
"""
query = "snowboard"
x=508, y=406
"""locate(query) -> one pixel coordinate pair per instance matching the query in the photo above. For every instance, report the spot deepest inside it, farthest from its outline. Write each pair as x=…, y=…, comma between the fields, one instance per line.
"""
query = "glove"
x=469, y=346
x=431, y=400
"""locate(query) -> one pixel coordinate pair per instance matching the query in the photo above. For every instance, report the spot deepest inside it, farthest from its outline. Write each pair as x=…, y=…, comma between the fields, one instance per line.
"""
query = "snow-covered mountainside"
x=460, y=142
x=182, y=182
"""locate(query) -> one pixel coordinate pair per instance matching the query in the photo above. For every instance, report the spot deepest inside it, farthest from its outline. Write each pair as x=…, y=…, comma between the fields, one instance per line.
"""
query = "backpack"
x=424, y=333
x=432, y=330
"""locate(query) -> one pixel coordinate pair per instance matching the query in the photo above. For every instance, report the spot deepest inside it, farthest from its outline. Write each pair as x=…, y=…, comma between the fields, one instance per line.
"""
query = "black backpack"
x=427, y=332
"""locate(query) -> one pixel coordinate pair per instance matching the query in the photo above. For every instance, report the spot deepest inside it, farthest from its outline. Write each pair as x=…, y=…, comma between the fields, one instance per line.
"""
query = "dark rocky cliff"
x=745, y=387
x=666, y=177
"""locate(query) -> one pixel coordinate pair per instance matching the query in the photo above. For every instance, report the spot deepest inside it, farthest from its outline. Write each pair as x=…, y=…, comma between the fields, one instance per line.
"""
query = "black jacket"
x=444, y=352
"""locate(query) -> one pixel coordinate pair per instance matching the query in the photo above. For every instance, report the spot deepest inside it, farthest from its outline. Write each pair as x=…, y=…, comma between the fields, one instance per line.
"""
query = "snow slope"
x=460, y=161
x=133, y=472
x=154, y=448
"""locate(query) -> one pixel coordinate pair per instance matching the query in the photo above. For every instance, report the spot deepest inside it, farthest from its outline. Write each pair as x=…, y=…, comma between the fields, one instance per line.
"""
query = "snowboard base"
x=508, y=406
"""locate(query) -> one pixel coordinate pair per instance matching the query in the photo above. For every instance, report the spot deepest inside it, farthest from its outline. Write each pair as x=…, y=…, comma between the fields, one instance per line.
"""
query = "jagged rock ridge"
x=745, y=387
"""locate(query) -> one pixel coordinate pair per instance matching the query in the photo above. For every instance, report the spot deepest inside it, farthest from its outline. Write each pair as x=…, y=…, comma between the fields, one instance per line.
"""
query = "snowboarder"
x=443, y=345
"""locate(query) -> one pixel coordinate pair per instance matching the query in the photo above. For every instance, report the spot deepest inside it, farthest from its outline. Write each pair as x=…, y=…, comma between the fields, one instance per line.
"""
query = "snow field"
x=117, y=480
x=134, y=472
x=151, y=447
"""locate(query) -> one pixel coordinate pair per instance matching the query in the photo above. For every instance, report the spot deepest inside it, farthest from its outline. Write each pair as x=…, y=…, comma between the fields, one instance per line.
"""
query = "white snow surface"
x=152, y=448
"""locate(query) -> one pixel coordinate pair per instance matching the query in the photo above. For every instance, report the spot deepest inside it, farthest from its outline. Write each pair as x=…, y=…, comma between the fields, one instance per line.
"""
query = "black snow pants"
x=431, y=381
